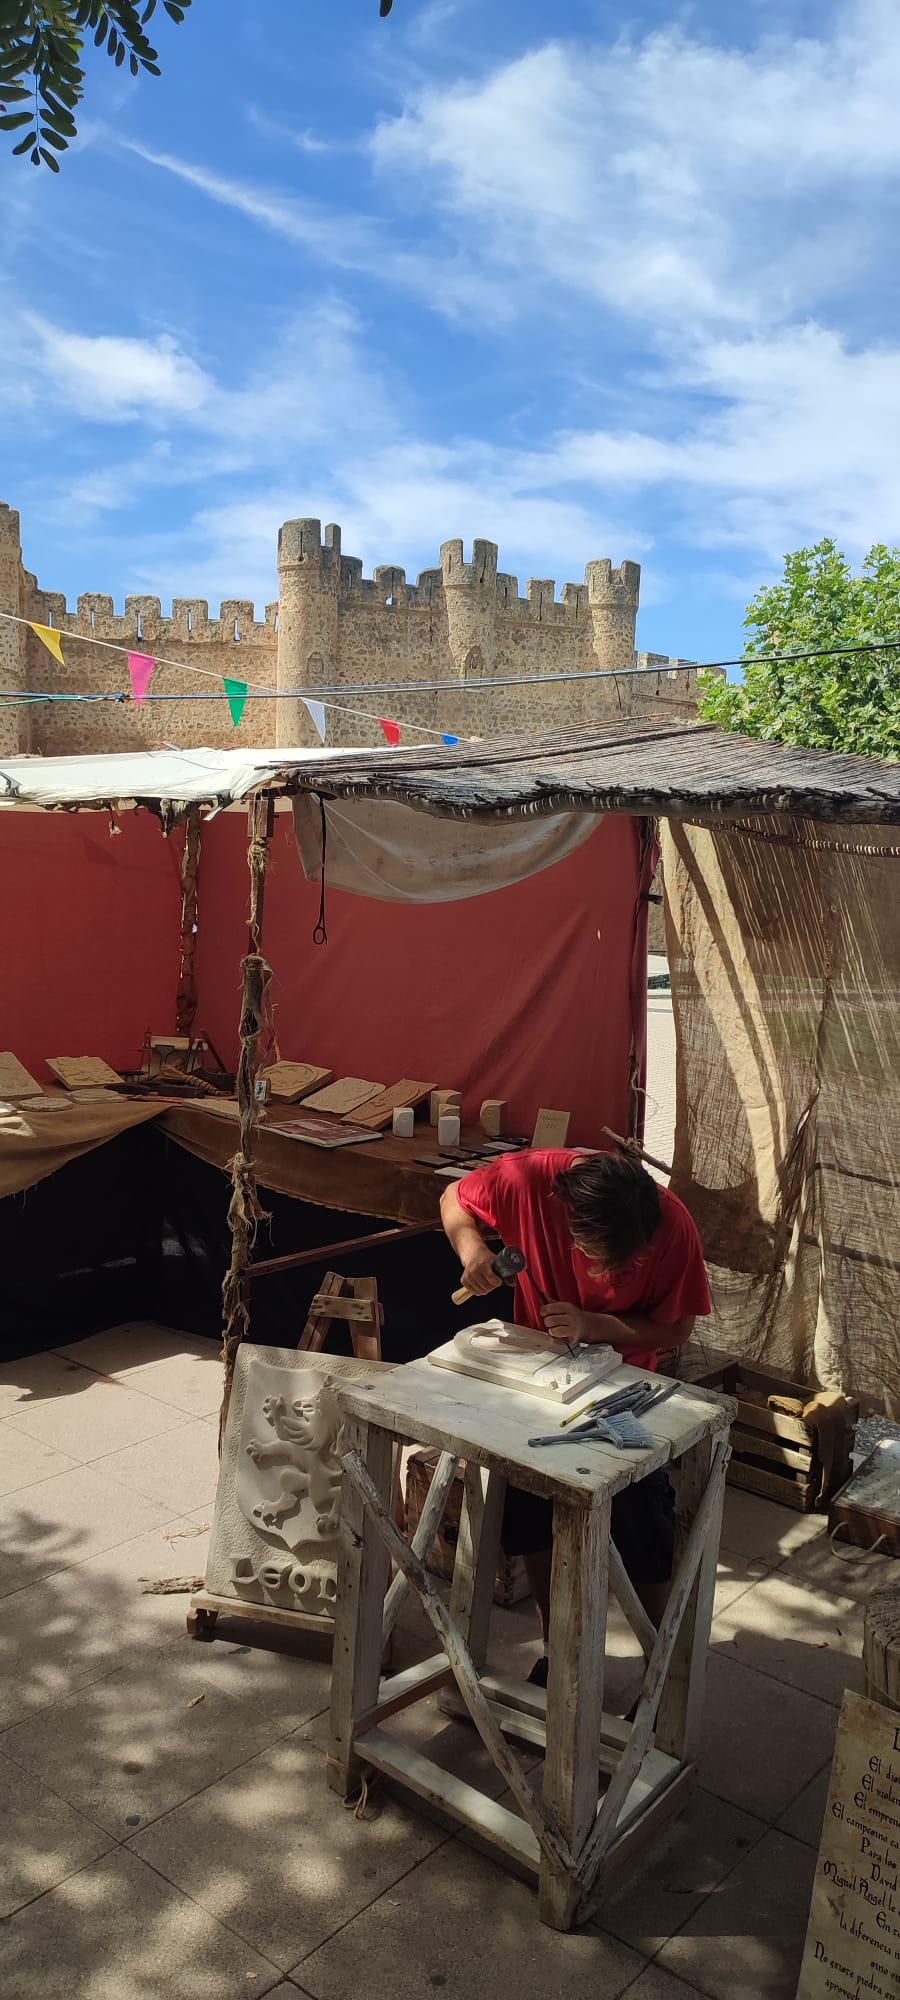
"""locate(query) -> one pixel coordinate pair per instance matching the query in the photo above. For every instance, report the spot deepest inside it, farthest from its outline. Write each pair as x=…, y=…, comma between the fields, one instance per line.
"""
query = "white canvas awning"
x=181, y=777
x=379, y=847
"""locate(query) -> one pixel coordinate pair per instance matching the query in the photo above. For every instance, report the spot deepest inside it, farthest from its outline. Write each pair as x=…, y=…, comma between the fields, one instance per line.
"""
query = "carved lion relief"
x=275, y=1535
x=289, y=1478
x=275, y=1527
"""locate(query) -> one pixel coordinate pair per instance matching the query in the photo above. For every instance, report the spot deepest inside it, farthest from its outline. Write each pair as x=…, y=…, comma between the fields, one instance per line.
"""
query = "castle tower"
x=309, y=572
x=470, y=599
x=613, y=596
x=12, y=637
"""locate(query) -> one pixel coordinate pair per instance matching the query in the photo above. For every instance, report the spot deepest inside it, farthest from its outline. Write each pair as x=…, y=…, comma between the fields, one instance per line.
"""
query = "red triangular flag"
x=140, y=667
x=391, y=730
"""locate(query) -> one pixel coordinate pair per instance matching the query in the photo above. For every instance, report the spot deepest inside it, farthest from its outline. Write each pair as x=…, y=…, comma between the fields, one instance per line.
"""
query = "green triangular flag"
x=237, y=695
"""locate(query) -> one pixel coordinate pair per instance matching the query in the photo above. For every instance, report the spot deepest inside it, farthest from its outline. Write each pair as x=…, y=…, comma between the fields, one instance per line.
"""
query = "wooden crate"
x=512, y=1582
x=867, y=1508
x=775, y=1453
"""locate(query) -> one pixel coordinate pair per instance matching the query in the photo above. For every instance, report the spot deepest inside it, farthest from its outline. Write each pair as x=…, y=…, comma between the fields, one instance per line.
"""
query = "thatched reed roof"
x=687, y=771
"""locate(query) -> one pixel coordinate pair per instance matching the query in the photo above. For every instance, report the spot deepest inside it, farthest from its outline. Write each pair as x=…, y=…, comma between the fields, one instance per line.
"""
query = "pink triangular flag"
x=140, y=667
x=391, y=730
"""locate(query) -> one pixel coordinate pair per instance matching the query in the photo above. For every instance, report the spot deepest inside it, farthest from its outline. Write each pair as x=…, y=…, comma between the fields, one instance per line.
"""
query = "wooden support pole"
x=477, y=1552
x=186, y=1000
x=324, y=1253
x=363, y=1575
x=680, y=1720
x=638, y=1152
x=245, y=1211
x=577, y=1641
x=591, y=1856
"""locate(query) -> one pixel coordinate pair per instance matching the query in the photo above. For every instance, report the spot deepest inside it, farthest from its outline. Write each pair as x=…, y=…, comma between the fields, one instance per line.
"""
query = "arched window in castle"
x=473, y=664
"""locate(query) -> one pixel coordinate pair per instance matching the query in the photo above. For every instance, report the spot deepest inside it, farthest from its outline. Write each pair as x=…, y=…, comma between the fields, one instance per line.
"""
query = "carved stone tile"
x=274, y=1536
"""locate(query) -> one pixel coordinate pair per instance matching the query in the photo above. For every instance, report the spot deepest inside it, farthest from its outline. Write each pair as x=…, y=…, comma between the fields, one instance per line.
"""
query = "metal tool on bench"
x=642, y=1393
x=506, y=1265
x=591, y=1426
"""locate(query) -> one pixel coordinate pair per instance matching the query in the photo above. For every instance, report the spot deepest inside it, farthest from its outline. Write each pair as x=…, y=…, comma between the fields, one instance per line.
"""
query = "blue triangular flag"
x=449, y=739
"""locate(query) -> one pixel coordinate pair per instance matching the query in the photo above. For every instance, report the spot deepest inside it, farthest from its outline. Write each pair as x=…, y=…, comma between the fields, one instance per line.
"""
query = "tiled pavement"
x=155, y=1843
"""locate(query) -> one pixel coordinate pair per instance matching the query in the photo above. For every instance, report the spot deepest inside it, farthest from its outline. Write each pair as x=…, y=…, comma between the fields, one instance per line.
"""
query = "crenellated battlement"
x=465, y=628
x=669, y=664
x=312, y=559
x=144, y=623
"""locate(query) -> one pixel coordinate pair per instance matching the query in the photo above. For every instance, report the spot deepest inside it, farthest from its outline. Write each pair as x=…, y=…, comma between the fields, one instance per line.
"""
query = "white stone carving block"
x=275, y=1527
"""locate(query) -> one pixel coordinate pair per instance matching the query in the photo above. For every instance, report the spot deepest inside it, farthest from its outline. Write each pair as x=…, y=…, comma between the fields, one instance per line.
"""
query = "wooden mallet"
x=506, y=1265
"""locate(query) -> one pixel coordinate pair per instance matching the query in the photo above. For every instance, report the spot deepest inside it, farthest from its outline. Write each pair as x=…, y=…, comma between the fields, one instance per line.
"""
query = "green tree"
x=41, y=74
x=848, y=702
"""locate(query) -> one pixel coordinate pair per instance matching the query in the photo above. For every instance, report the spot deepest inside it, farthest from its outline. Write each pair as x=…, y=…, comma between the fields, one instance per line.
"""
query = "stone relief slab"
x=275, y=1527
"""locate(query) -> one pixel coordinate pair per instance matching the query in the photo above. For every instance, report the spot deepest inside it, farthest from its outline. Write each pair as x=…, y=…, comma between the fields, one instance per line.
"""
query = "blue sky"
x=585, y=280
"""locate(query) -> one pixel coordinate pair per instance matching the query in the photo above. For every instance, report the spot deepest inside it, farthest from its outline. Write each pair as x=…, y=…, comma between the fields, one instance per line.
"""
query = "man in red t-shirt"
x=610, y=1257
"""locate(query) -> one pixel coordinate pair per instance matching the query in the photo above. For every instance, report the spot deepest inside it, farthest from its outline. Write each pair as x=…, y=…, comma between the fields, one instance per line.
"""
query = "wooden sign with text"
x=853, y=1941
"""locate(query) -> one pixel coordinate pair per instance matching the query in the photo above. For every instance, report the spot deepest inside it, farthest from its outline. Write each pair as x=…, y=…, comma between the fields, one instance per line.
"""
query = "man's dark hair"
x=612, y=1203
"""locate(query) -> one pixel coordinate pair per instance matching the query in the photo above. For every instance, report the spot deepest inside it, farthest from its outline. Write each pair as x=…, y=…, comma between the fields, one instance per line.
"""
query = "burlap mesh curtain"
x=784, y=942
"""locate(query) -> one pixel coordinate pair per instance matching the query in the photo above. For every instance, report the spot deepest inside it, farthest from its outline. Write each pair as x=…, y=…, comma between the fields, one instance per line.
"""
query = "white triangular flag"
x=316, y=713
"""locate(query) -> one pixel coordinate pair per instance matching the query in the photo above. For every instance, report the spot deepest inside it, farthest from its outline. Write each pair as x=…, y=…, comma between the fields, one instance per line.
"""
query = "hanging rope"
x=257, y=856
x=320, y=934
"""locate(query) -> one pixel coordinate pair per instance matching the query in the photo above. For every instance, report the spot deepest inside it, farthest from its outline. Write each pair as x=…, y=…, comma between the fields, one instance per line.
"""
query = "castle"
x=462, y=624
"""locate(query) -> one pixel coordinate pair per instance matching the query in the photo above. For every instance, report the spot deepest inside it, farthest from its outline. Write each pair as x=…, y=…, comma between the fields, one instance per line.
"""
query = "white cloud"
x=447, y=279
x=302, y=222
x=800, y=435
x=305, y=141
x=668, y=179
x=312, y=384
x=731, y=213
x=108, y=377
x=655, y=176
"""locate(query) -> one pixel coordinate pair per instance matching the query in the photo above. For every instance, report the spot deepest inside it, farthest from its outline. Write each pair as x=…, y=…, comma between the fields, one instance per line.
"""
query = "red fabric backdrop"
x=90, y=925
x=524, y=994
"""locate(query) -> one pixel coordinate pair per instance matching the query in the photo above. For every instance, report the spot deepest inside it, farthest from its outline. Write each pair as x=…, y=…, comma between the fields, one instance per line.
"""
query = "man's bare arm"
x=468, y=1242
x=648, y=1332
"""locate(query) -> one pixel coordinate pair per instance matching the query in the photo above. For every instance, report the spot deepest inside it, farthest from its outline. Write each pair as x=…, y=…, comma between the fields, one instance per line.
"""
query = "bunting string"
x=450, y=685
x=142, y=666
x=237, y=692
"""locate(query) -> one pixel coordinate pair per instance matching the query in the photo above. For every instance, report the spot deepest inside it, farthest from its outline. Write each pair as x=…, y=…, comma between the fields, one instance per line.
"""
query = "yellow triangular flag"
x=50, y=638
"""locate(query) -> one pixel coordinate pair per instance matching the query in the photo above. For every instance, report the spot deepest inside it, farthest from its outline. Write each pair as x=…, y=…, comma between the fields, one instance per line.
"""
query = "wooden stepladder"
x=354, y=1300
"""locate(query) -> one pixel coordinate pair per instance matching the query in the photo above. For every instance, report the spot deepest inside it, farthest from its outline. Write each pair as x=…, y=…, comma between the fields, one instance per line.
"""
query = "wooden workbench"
x=572, y=1828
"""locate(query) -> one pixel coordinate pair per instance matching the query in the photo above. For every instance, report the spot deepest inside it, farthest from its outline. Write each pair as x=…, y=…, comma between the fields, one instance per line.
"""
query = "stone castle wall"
x=462, y=623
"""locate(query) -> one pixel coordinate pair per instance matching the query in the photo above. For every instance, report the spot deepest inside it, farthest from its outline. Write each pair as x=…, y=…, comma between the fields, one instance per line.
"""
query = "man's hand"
x=570, y=1324
x=478, y=1274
